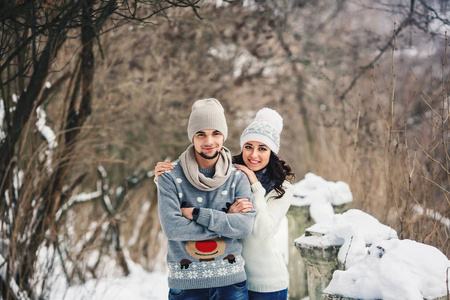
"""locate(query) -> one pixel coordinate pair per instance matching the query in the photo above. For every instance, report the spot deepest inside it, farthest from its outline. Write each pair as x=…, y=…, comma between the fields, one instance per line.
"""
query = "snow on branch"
x=104, y=192
x=17, y=294
x=432, y=214
x=76, y=199
x=48, y=135
x=17, y=181
x=2, y=117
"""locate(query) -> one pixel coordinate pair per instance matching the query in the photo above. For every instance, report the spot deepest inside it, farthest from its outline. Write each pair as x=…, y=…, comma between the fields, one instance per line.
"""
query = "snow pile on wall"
x=353, y=230
x=394, y=269
x=378, y=265
x=321, y=195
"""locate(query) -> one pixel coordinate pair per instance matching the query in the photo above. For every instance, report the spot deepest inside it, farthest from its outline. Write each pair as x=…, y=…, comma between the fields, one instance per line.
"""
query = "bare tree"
x=35, y=162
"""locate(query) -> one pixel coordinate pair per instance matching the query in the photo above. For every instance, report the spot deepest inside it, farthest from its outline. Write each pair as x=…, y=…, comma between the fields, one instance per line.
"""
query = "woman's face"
x=256, y=155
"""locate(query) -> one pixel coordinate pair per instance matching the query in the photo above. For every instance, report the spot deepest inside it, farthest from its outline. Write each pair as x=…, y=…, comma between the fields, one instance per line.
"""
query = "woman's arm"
x=243, y=205
x=270, y=213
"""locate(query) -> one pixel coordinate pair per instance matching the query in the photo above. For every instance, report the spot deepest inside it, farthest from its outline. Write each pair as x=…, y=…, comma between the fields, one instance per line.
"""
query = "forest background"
x=94, y=93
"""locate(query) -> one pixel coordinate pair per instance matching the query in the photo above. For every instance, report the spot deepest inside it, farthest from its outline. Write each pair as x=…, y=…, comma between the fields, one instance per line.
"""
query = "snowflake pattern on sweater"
x=202, y=270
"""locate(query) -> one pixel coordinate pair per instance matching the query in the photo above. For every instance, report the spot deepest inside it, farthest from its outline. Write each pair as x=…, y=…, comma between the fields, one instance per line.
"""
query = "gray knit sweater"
x=204, y=253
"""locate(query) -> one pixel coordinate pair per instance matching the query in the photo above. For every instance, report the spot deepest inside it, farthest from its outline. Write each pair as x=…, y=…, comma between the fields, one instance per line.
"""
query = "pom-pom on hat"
x=207, y=114
x=266, y=129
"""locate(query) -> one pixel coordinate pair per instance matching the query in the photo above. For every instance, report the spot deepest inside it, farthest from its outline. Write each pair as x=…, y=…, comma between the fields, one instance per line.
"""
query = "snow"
x=435, y=215
x=2, y=117
x=378, y=265
x=321, y=195
x=314, y=188
x=394, y=269
x=139, y=285
x=243, y=60
x=49, y=136
x=352, y=230
x=12, y=284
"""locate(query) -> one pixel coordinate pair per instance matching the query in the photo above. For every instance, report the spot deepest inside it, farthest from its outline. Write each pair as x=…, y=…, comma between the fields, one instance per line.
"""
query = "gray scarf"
x=190, y=168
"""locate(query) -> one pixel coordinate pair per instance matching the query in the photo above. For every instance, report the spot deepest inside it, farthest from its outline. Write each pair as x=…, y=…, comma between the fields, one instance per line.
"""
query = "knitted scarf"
x=190, y=168
x=265, y=180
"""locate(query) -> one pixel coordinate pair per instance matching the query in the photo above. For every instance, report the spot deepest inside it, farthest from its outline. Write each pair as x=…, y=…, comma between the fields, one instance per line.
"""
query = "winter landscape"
x=389, y=268
x=92, y=95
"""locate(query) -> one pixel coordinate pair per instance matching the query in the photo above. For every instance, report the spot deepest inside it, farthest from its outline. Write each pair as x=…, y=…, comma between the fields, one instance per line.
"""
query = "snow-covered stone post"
x=321, y=262
x=314, y=199
x=338, y=243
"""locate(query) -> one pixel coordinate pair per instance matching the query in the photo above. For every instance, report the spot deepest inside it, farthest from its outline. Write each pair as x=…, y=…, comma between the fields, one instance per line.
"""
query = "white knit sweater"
x=264, y=264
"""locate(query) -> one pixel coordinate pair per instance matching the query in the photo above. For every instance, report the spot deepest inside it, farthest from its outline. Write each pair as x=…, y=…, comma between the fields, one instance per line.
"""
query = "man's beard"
x=208, y=157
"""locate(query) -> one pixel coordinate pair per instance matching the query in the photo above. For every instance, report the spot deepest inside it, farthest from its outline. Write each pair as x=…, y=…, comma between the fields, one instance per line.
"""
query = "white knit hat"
x=266, y=129
x=207, y=114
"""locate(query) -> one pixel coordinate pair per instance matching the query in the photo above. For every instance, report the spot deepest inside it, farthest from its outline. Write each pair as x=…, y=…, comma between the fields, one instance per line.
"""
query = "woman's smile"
x=253, y=162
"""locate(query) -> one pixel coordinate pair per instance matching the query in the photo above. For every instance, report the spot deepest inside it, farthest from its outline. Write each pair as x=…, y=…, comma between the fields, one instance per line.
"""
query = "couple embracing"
x=220, y=213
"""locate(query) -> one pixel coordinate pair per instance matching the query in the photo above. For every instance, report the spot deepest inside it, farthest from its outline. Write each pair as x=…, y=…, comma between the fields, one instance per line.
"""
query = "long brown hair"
x=277, y=169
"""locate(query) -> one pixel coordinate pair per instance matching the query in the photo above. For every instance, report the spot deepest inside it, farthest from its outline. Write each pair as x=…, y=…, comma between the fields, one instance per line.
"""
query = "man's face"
x=208, y=143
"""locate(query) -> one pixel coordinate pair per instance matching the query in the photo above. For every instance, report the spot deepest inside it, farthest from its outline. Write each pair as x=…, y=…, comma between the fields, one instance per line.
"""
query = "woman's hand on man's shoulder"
x=250, y=174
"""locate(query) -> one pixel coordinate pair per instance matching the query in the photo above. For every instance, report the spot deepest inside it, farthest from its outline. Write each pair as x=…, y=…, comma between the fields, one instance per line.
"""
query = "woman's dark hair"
x=277, y=169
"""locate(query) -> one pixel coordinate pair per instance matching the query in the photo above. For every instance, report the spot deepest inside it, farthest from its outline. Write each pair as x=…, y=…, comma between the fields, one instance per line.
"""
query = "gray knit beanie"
x=207, y=114
x=266, y=129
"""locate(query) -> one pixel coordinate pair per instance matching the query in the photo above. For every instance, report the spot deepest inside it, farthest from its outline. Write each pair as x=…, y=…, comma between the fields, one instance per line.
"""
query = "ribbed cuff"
x=256, y=186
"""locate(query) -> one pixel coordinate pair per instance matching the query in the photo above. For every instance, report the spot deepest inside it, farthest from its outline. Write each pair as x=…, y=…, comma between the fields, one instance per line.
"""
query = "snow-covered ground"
x=139, y=285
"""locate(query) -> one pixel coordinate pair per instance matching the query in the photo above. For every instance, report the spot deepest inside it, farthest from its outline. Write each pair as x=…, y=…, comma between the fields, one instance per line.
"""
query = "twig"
x=429, y=106
x=372, y=63
x=432, y=158
x=348, y=250
x=436, y=184
x=448, y=291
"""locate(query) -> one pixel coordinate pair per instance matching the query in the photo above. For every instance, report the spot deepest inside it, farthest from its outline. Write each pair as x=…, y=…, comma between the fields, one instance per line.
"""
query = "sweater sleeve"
x=236, y=226
x=173, y=224
x=269, y=214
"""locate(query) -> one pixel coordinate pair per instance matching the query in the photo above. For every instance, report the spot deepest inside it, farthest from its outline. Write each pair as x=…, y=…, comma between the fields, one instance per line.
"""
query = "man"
x=204, y=251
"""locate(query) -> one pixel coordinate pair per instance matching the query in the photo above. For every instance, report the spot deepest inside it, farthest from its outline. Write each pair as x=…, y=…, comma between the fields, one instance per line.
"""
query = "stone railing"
x=299, y=219
x=312, y=197
x=322, y=258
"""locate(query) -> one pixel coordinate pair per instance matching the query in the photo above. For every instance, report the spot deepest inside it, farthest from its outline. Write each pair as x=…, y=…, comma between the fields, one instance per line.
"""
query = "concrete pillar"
x=321, y=262
x=298, y=220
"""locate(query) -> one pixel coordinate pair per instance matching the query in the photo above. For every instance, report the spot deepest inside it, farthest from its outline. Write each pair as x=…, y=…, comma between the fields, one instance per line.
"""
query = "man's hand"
x=240, y=206
x=187, y=212
x=162, y=167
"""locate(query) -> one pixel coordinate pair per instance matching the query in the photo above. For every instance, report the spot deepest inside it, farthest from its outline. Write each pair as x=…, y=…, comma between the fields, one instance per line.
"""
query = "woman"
x=269, y=176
